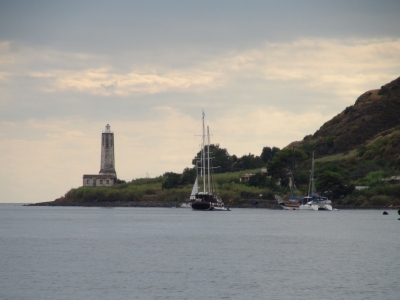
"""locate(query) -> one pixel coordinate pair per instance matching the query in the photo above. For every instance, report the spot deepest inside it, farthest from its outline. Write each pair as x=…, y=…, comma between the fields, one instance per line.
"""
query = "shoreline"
x=256, y=204
x=275, y=206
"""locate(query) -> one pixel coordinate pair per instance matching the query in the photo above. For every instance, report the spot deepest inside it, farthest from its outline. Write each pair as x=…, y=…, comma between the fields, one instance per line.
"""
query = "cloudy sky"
x=266, y=73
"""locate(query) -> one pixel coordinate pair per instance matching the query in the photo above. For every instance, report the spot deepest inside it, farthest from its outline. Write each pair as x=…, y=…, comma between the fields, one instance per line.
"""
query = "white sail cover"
x=194, y=190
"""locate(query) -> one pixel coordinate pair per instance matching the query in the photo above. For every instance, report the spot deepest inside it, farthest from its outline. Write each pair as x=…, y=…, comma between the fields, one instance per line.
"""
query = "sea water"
x=174, y=253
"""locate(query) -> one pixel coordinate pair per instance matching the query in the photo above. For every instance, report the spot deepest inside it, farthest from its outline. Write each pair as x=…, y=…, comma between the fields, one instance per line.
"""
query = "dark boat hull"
x=202, y=206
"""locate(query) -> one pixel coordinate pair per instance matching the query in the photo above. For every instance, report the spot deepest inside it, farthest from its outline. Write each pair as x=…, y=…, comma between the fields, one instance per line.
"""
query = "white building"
x=98, y=180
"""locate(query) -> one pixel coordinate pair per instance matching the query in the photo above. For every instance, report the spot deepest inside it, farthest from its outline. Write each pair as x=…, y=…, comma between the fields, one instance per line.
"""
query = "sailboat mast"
x=312, y=173
x=293, y=164
x=208, y=158
x=203, y=167
x=311, y=185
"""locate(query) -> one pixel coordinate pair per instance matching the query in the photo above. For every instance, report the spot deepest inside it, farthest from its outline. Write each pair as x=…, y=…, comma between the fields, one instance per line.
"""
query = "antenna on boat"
x=311, y=185
x=293, y=187
x=208, y=158
x=203, y=156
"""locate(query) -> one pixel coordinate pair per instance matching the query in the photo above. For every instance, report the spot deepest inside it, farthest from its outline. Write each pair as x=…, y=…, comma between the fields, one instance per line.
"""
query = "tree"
x=284, y=159
x=247, y=162
x=363, y=169
x=301, y=177
x=267, y=153
x=219, y=158
x=188, y=176
x=260, y=180
x=171, y=181
x=333, y=167
x=257, y=180
x=372, y=179
x=331, y=182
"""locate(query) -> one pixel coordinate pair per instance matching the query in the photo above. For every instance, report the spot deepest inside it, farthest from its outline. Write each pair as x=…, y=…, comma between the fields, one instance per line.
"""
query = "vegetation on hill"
x=358, y=147
x=154, y=190
x=224, y=162
x=374, y=111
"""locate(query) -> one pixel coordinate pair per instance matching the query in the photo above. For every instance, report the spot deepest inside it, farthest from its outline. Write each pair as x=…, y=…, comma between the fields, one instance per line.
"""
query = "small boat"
x=185, y=205
x=188, y=203
x=313, y=201
x=291, y=204
x=208, y=199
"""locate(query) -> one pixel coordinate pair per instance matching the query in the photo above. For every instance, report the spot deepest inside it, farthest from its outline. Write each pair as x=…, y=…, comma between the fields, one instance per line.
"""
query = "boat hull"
x=316, y=207
x=306, y=207
x=325, y=207
x=220, y=208
x=287, y=204
x=201, y=205
x=289, y=207
x=208, y=206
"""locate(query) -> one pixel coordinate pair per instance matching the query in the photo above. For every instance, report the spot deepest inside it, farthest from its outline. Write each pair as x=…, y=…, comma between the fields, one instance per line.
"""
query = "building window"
x=107, y=181
x=88, y=181
x=101, y=181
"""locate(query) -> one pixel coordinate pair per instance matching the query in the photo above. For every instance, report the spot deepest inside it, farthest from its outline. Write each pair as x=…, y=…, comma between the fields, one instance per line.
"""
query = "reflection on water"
x=160, y=253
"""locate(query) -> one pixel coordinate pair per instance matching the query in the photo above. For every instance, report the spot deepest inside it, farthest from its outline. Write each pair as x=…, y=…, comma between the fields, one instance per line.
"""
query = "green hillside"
x=151, y=190
x=374, y=112
x=358, y=147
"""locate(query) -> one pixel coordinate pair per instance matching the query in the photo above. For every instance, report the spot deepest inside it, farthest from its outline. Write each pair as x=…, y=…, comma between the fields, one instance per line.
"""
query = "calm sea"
x=169, y=253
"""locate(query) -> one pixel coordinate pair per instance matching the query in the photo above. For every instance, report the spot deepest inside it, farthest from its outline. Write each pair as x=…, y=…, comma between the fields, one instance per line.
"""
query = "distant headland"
x=357, y=165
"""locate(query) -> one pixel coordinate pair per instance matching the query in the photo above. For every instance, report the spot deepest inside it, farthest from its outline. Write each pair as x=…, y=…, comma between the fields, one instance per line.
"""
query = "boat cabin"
x=206, y=197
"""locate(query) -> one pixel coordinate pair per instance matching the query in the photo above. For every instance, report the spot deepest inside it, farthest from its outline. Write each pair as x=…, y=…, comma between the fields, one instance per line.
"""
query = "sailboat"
x=195, y=190
x=288, y=204
x=293, y=203
x=313, y=201
x=208, y=199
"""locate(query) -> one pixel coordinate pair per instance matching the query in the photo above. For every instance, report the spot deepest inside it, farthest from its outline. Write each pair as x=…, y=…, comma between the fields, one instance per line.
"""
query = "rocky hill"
x=358, y=147
x=374, y=112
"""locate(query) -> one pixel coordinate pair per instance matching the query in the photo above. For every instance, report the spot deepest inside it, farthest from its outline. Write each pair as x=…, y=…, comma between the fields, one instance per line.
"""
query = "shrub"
x=372, y=179
x=383, y=91
x=171, y=181
x=380, y=200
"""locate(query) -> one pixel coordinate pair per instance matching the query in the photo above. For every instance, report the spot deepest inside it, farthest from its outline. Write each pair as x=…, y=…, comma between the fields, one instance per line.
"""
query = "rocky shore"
x=249, y=203
x=107, y=204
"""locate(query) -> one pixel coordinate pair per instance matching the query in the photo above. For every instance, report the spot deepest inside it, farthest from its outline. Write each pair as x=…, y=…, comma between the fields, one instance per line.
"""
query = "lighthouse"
x=107, y=175
x=107, y=164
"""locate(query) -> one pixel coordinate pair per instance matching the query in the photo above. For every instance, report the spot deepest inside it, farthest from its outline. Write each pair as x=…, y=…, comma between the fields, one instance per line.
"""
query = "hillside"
x=149, y=192
x=374, y=112
x=358, y=147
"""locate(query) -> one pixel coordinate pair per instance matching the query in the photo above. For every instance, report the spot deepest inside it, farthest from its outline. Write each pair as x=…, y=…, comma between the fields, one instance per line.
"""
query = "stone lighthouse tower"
x=107, y=165
x=107, y=175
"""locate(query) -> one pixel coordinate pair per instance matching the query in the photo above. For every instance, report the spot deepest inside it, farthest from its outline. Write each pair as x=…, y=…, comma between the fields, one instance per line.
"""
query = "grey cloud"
x=112, y=27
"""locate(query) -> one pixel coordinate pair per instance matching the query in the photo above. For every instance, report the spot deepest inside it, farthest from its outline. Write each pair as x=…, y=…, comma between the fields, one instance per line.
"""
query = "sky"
x=266, y=73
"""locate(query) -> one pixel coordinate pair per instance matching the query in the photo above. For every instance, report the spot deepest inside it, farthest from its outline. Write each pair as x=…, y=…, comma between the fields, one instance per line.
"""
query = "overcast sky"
x=266, y=73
